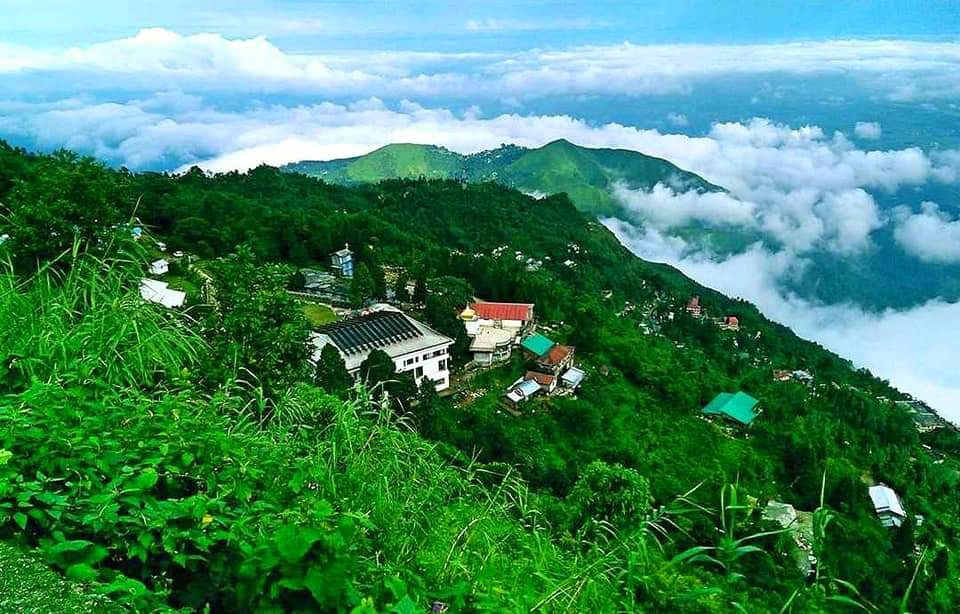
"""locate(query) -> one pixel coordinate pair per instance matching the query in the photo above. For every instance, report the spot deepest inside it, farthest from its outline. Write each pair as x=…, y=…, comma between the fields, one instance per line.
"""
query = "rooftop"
x=739, y=407
x=537, y=344
x=557, y=354
x=488, y=339
x=885, y=499
x=503, y=311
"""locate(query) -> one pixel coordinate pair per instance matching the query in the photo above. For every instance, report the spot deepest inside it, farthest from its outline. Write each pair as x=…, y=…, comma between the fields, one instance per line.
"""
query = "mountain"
x=585, y=174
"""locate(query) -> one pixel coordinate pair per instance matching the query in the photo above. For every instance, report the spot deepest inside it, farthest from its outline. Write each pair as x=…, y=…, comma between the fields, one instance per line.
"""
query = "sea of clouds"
x=162, y=100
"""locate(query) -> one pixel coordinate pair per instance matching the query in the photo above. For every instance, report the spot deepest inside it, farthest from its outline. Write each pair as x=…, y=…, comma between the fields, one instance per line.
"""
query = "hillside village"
x=528, y=367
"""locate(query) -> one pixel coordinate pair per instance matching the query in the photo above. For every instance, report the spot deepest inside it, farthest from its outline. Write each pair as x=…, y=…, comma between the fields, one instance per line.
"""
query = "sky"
x=831, y=124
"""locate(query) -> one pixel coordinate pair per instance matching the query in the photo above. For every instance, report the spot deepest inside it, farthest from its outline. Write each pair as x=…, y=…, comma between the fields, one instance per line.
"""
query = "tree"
x=361, y=287
x=256, y=324
x=612, y=493
x=447, y=298
x=401, y=294
x=377, y=369
x=331, y=373
x=420, y=287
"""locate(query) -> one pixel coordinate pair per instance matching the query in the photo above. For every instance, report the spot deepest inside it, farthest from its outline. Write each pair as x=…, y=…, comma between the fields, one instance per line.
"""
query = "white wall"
x=431, y=365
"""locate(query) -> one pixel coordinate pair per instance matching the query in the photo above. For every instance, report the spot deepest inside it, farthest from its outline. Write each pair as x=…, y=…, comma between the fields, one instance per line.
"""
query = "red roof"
x=732, y=320
x=694, y=302
x=543, y=379
x=557, y=354
x=503, y=311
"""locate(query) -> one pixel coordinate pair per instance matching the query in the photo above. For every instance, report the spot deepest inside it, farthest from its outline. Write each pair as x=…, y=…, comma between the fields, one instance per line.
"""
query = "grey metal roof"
x=372, y=331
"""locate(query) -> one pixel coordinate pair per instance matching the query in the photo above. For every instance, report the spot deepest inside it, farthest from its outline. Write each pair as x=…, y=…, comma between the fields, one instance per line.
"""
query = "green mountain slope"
x=586, y=175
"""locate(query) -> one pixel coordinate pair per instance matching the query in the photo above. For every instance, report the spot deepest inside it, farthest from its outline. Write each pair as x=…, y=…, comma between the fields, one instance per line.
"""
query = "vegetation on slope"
x=179, y=460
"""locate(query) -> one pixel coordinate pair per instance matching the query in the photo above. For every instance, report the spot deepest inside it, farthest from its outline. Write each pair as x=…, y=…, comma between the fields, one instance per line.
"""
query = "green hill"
x=586, y=175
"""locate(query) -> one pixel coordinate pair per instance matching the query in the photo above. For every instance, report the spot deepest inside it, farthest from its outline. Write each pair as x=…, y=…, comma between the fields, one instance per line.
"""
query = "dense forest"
x=192, y=461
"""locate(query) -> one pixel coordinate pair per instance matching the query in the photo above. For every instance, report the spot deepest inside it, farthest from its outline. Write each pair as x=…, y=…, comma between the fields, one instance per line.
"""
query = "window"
x=418, y=372
x=443, y=365
x=408, y=362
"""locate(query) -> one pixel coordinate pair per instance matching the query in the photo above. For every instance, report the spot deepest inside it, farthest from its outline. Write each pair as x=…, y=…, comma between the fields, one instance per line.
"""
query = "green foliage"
x=331, y=373
x=362, y=287
x=610, y=493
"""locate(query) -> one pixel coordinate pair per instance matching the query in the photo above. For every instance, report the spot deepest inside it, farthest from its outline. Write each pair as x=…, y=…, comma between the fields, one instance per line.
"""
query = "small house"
x=782, y=375
x=887, y=505
x=739, y=407
x=557, y=360
x=155, y=291
x=547, y=382
x=159, y=267
x=694, y=308
x=342, y=261
x=521, y=391
x=572, y=378
x=730, y=323
x=536, y=346
x=491, y=345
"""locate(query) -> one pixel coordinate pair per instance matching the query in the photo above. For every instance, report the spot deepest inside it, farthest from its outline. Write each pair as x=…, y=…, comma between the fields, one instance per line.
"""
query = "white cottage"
x=159, y=267
x=888, y=506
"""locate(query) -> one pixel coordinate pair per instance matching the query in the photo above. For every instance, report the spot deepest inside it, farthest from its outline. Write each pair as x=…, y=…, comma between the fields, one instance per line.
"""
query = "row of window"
x=415, y=359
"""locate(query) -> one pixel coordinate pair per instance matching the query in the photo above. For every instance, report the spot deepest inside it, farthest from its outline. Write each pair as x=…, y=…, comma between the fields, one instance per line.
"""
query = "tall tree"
x=447, y=298
x=361, y=286
x=256, y=324
x=331, y=373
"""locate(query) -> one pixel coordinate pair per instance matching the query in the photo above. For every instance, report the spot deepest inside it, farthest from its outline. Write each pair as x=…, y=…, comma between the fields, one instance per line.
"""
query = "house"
x=342, y=261
x=492, y=345
x=694, y=308
x=517, y=317
x=536, y=346
x=887, y=505
x=572, y=378
x=802, y=376
x=155, y=291
x=557, y=360
x=547, y=382
x=160, y=245
x=730, y=323
x=414, y=347
x=739, y=407
x=159, y=267
x=782, y=375
x=521, y=390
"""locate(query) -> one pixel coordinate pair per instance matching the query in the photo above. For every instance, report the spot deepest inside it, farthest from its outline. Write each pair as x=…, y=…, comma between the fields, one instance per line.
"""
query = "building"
x=739, y=407
x=694, y=307
x=546, y=381
x=414, y=347
x=159, y=267
x=492, y=345
x=495, y=328
x=517, y=317
x=557, y=360
x=521, y=391
x=572, y=378
x=887, y=505
x=536, y=346
x=342, y=261
x=155, y=291
x=730, y=323
x=782, y=375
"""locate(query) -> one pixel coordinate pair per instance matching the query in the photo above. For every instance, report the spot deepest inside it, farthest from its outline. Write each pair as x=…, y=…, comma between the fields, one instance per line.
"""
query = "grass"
x=318, y=315
x=27, y=586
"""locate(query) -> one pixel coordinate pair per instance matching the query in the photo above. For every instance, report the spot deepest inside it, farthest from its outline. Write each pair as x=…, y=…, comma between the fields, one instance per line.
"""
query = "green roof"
x=740, y=406
x=537, y=343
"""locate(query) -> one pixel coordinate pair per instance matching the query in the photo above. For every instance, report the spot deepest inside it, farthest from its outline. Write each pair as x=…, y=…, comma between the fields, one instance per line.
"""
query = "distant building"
x=782, y=375
x=414, y=347
x=536, y=346
x=694, y=307
x=159, y=267
x=887, y=505
x=739, y=407
x=159, y=292
x=557, y=360
x=517, y=317
x=730, y=323
x=342, y=261
x=494, y=329
x=492, y=345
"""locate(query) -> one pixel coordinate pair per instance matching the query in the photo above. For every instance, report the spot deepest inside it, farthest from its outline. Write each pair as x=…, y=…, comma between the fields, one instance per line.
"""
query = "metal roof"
x=738, y=407
x=503, y=311
x=573, y=377
x=885, y=499
x=371, y=331
x=537, y=343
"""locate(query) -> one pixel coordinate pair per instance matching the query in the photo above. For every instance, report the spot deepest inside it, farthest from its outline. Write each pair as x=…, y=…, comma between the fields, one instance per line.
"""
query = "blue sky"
x=831, y=124
x=487, y=26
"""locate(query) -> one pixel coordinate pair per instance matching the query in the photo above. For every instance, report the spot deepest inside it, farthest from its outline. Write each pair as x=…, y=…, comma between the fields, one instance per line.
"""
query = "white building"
x=888, y=506
x=414, y=347
x=159, y=267
x=156, y=291
x=495, y=328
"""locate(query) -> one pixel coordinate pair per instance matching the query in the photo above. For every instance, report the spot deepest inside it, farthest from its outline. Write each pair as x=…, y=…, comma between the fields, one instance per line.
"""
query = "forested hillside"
x=192, y=461
x=586, y=175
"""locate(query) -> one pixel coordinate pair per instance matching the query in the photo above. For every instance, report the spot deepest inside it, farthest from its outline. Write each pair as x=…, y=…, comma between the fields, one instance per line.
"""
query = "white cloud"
x=868, y=130
x=932, y=235
x=678, y=119
x=666, y=208
x=914, y=349
x=160, y=58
